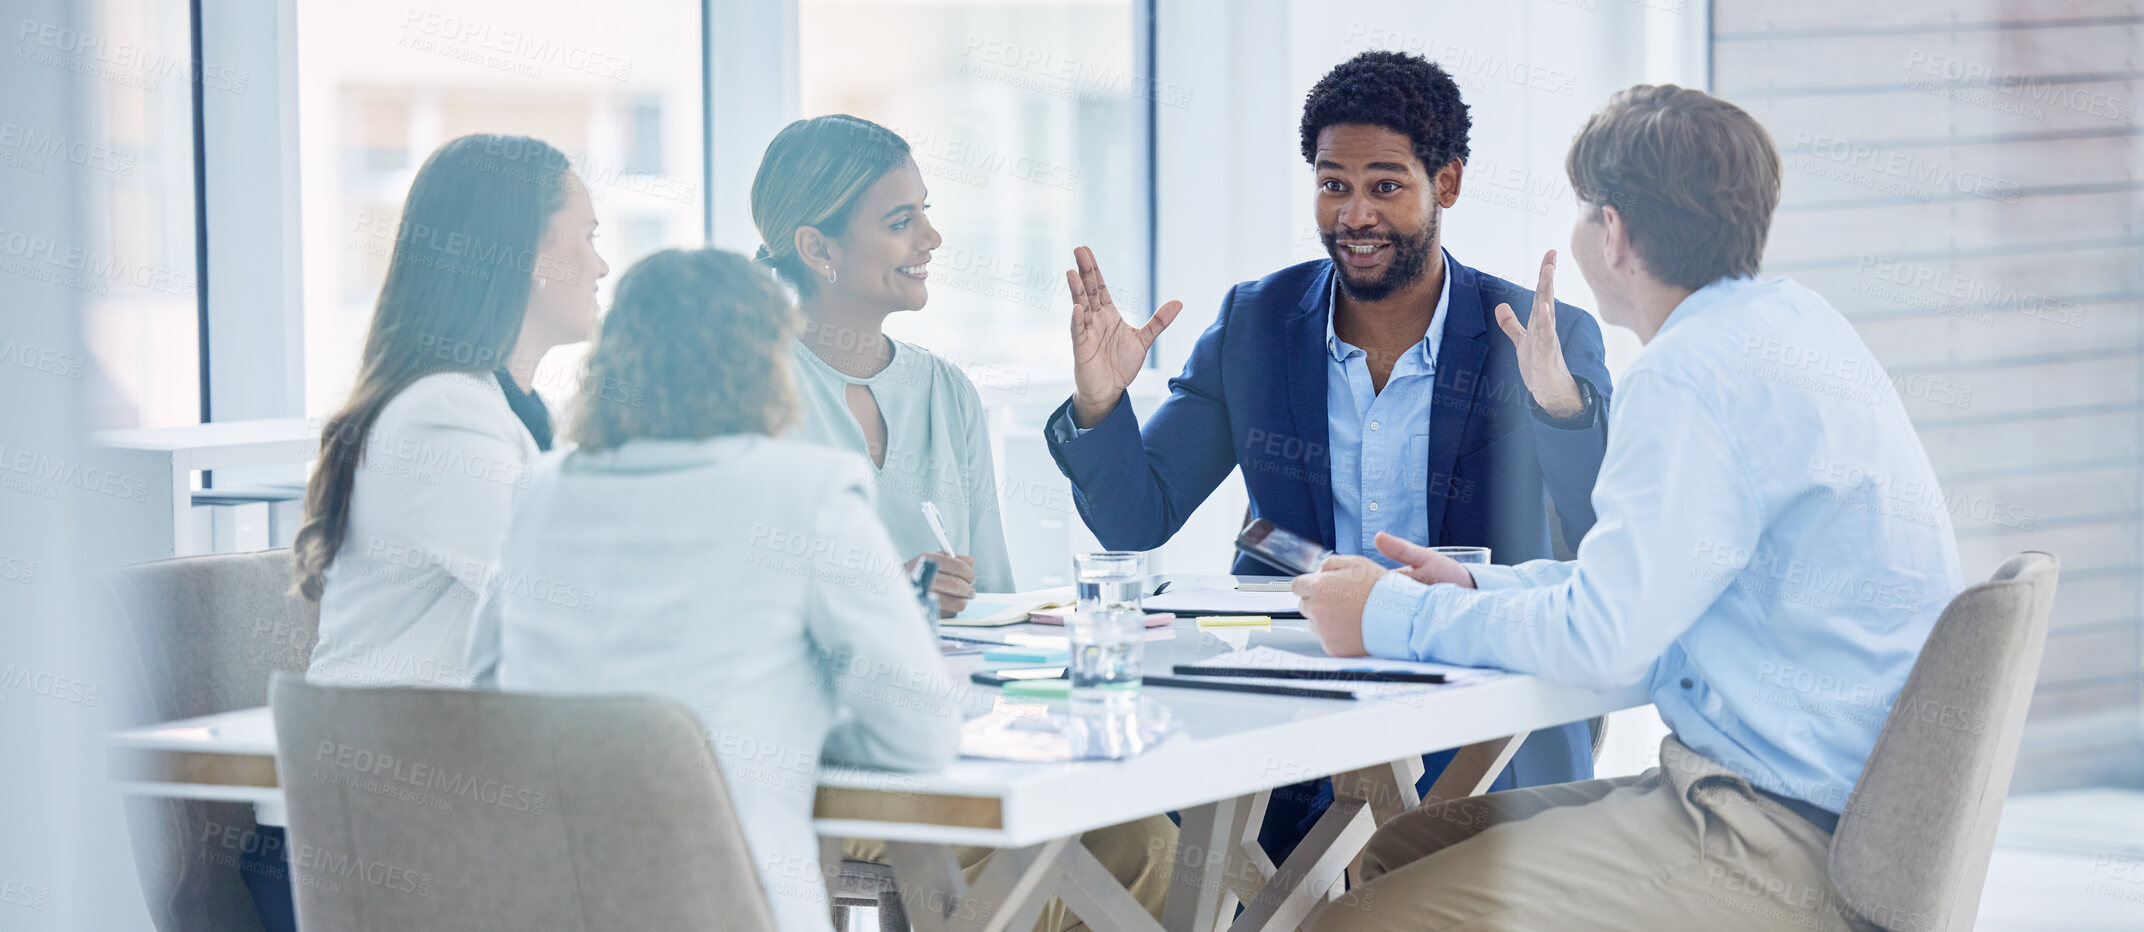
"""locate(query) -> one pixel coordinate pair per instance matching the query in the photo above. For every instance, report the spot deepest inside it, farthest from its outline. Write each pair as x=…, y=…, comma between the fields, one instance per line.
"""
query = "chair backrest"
x=207, y=632
x=453, y=809
x=1912, y=847
x=201, y=635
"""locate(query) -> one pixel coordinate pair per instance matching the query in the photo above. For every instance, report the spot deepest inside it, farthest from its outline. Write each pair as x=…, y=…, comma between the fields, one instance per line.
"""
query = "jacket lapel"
x=1306, y=365
x=1458, y=381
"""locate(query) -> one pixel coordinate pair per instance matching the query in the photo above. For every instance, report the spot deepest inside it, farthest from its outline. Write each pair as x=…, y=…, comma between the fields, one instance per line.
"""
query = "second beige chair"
x=448, y=809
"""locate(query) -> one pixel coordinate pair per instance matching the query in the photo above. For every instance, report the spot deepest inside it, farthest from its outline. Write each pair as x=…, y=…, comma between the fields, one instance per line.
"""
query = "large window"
x=1028, y=120
x=136, y=257
x=616, y=87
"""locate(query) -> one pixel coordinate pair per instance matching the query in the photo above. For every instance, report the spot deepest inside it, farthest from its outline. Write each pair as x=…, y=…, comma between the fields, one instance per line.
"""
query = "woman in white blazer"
x=681, y=549
x=494, y=264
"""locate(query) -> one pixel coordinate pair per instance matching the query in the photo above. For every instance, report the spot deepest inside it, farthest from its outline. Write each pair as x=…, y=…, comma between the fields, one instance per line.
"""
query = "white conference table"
x=1231, y=751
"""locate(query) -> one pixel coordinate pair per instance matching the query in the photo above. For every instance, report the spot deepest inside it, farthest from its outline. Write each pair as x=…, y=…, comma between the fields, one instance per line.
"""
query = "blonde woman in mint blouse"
x=935, y=449
x=840, y=205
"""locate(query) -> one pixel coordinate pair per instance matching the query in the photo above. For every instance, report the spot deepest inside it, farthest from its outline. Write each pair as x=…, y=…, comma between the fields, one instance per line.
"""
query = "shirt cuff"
x=1585, y=417
x=1061, y=427
x=1388, y=617
x=1491, y=576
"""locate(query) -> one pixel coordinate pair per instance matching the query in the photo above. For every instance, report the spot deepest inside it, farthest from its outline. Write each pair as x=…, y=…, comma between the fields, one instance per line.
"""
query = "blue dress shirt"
x=1770, y=555
x=1380, y=440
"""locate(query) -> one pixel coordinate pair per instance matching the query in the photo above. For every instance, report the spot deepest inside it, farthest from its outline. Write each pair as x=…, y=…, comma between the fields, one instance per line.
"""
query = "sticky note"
x=1042, y=689
x=1026, y=656
x=1234, y=621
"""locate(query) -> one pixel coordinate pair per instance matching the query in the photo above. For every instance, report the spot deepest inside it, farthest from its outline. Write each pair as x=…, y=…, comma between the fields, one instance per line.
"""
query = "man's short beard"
x=1410, y=260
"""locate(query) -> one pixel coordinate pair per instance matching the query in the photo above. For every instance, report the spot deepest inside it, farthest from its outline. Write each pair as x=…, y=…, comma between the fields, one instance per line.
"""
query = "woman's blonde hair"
x=695, y=346
x=814, y=173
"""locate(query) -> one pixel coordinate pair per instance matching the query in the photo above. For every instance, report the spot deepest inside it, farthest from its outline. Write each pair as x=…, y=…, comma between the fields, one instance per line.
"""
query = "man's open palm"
x=1107, y=353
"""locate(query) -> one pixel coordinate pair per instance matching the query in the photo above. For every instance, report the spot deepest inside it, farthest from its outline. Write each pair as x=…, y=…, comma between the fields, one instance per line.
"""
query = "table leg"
x=1212, y=859
x=1093, y=894
x=1474, y=768
x=1302, y=881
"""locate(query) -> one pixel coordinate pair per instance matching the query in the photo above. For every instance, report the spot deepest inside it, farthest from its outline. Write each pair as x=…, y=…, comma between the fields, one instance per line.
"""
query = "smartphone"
x=1275, y=546
x=1001, y=677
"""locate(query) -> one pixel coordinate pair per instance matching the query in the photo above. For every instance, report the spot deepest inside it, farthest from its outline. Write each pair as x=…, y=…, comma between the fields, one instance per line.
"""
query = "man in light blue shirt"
x=1380, y=439
x=1771, y=552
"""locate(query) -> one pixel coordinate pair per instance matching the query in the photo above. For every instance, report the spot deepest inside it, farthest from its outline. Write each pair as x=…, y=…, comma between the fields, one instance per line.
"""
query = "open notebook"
x=997, y=609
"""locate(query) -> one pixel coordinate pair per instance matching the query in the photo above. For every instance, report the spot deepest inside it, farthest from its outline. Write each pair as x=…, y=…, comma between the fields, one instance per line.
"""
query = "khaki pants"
x=1138, y=854
x=1686, y=845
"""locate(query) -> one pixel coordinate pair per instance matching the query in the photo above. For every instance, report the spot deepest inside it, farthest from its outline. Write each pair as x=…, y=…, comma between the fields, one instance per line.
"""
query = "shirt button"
x=1373, y=506
x=1686, y=684
x=1373, y=425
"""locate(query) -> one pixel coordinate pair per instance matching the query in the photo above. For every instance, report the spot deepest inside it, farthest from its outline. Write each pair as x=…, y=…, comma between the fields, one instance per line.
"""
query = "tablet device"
x=1275, y=546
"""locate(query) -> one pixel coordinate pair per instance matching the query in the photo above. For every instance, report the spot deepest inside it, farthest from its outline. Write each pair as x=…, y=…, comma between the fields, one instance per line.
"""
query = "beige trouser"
x=1686, y=845
x=1138, y=854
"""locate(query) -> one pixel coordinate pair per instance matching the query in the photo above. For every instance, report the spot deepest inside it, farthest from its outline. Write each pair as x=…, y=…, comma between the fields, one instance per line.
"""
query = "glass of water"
x=1111, y=579
x=1465, y=554
x=1107, y=636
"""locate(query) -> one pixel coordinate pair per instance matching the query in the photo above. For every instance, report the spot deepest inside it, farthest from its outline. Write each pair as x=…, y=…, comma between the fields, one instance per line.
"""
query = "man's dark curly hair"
x=1406, y=94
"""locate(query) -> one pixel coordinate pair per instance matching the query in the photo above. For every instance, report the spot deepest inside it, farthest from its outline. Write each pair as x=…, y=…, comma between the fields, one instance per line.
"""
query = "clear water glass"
x=1111, y=579
x=1108, y=654
x=1465, y=554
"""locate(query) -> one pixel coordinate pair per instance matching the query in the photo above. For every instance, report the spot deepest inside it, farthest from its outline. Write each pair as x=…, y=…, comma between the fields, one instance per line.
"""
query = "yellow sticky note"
x=1234, y=621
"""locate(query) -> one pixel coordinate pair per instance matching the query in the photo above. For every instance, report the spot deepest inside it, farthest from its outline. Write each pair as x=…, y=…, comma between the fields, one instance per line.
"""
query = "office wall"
x=1962, y=181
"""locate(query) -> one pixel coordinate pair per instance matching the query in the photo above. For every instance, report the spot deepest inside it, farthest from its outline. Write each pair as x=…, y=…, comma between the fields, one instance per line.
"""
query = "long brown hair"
x=696, y=345
x=813, y=174
x=456, y=292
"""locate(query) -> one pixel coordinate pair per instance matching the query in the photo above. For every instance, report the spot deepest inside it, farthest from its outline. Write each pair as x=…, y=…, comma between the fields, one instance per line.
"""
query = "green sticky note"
x=1040, y=689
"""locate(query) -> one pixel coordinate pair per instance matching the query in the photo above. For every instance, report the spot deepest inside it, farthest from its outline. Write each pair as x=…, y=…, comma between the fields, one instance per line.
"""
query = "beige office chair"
x=1912, y=848
x=454, y=809
x=202, y=635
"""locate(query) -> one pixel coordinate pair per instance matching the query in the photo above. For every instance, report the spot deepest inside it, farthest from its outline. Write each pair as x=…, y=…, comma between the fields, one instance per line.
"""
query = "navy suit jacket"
x=1253, y=395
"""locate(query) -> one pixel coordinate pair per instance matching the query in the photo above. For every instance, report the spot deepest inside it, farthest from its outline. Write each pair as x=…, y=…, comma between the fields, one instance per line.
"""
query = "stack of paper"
x=1207, y=600
x=1277, y=659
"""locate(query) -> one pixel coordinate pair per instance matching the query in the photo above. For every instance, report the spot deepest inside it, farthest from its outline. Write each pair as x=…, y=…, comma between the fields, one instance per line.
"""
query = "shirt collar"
x=1721, y=291
x=1431, y=341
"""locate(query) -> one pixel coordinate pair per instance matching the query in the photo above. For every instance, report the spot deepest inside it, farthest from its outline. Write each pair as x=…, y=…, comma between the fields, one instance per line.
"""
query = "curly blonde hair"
x=695, y=346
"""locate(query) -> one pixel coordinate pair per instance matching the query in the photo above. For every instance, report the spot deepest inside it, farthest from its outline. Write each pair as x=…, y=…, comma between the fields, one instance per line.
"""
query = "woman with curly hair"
x=682, y=549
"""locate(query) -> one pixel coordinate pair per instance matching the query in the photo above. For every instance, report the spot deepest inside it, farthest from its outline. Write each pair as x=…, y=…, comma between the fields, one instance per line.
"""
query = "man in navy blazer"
x=1359, y=393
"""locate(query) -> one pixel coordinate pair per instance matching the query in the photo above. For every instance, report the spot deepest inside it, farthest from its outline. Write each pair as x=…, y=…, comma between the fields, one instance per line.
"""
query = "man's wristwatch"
x=1587, y=404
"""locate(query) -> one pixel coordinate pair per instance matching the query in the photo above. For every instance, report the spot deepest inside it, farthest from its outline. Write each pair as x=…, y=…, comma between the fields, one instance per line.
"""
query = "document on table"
x=1208, y=600
x=991, y=610
x=1277, y=659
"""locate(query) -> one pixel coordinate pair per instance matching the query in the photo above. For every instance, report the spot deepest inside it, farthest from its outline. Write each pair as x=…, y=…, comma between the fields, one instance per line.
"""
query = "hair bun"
x=763, y=257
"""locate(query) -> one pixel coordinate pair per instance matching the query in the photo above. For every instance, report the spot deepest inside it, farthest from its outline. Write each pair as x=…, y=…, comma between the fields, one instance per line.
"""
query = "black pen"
x=1345, y=676
x=1259, y=688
